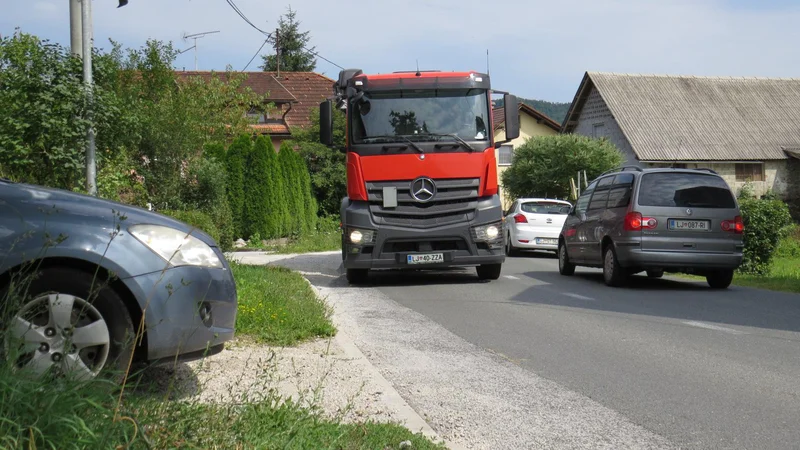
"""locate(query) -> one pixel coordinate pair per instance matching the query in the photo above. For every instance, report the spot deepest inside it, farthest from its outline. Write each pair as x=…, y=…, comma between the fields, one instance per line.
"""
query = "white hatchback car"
x=534, y=224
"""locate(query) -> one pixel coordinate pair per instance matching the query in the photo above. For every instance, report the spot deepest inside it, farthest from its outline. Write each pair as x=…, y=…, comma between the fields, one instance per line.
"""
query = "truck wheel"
x=489, y=271
x=357, y=276
x=720, y=279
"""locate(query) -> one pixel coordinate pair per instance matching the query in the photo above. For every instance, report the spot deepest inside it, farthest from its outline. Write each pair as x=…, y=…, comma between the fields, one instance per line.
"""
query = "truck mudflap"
x=368, y=242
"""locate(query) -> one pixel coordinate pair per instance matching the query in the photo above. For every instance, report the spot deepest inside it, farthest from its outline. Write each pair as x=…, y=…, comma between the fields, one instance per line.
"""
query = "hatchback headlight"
x=177, y=247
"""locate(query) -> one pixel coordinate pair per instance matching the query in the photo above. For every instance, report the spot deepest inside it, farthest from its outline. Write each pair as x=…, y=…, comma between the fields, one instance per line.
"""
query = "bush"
x=293, y=189
x=197, y=219
x=264, y=210
x=763, y=222
x=235, y=162
x=789, y=245
x=544, y=165
x=206, y=190
x=214, y=150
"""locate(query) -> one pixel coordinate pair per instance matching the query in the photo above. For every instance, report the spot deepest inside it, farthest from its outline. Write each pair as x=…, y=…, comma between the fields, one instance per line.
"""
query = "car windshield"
x=545, y=208
x=686, y=190
x=425, y=115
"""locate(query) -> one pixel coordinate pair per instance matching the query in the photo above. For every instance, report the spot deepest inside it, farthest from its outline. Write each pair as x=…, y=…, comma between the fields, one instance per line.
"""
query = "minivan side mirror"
x=326, y=123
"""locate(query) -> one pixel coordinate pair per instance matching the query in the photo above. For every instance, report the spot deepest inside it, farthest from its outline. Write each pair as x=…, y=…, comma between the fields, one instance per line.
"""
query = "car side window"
x=583, y=201
x=620, y=194
x=600, y=195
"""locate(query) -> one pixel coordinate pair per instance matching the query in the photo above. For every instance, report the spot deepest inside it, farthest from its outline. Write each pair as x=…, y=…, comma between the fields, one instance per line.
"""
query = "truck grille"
x=455, y=201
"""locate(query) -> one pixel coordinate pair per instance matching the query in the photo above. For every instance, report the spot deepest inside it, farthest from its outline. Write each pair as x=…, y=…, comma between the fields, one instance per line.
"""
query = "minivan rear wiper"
x=409, y=141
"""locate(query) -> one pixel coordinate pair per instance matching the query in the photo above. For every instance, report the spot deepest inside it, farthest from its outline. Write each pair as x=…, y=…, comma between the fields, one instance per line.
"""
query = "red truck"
x=422, y=190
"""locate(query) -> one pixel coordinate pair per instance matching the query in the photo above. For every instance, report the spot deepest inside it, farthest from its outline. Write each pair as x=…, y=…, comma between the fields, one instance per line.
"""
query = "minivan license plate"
x=428, y=258
x=688, y=225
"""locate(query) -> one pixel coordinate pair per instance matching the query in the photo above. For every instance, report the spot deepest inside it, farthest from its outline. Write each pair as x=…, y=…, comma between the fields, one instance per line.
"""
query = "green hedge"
x=197, y=219
x=765, y=221
x=235, y=165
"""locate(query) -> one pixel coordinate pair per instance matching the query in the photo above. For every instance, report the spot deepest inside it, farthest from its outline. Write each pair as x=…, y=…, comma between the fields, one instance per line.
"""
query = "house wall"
x=528, y=128
x=776, y=174
x=596, y=113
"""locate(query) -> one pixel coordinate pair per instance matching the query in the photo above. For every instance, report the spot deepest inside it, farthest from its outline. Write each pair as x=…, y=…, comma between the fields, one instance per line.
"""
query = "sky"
x=536, y=49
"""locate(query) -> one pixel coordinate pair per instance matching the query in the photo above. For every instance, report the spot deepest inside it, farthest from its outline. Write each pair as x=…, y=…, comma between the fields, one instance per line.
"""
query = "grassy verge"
x=326, y=237
x=278, y=307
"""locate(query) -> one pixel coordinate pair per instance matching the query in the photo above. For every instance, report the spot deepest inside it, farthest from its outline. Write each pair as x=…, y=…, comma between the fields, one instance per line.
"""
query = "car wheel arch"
x=604, y=244
x=119, y=287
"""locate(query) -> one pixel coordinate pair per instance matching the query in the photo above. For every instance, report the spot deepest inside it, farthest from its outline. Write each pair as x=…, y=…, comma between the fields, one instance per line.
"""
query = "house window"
x=598, y=130
x=256, y=116
x=750, y=172
x=505, y=155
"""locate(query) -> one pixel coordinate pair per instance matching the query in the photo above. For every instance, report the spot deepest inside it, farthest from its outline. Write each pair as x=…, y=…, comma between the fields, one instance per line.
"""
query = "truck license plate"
x=688, y=225
x=428, y=258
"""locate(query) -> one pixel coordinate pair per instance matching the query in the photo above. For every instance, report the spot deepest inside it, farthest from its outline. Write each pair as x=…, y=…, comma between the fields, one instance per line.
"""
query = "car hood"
x=39, y=198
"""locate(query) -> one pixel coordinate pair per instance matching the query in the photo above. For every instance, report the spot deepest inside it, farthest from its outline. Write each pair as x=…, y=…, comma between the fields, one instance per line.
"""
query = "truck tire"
x=489, y=271
x=357, y=276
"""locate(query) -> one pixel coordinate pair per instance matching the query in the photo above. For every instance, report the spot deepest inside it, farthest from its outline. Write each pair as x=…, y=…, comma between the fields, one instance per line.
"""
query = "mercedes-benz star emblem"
x=423, y=189
x=688, y=211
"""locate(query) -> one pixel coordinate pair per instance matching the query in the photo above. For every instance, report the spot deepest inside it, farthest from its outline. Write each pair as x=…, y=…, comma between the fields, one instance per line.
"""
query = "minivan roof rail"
x=621, y=169
x=707, y=170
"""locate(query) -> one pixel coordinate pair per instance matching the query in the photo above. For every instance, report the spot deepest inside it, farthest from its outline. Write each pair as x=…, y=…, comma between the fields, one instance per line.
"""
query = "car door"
x=575, y=223
x=594, y=225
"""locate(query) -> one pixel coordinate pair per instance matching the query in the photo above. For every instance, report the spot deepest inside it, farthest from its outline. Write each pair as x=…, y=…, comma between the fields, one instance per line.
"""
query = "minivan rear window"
x=545, y=208
x=684, y=189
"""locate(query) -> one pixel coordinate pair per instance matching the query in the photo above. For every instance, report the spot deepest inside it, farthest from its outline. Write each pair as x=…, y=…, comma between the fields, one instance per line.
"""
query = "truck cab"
x=422, y=187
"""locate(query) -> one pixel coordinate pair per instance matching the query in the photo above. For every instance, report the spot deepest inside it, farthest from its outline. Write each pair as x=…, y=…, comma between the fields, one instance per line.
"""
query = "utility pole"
x=87, y=46
x=75, y=28
x=278, y=50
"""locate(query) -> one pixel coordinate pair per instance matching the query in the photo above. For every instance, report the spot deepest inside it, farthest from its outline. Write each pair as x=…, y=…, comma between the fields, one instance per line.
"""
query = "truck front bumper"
x=390, y=246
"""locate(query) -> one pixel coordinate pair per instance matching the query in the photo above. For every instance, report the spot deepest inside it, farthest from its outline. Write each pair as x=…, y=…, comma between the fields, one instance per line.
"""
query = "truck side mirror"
x=326, y=123
x=511, y=106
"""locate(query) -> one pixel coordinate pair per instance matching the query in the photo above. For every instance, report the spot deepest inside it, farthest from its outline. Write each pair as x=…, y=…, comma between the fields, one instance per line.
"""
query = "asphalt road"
x=697, y=367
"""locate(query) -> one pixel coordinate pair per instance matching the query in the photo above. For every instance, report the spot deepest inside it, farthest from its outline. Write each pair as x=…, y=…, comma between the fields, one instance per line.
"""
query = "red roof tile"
x=303, y=90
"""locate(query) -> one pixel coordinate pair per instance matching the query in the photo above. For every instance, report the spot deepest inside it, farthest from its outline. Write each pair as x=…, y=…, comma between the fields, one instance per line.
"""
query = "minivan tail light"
x=733, y=226
x=520, y=218
x=635, y=222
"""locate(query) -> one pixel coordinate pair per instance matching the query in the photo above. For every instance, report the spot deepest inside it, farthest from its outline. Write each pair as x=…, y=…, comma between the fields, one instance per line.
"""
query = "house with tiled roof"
x=531, y=123
x=746, y=129
x=294, y=96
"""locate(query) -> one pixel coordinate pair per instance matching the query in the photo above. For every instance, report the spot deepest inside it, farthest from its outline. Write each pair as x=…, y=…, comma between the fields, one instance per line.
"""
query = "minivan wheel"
x=564, y=266
x=613, y=274
x=655, y=273
x=720, y=279
x=71, y=324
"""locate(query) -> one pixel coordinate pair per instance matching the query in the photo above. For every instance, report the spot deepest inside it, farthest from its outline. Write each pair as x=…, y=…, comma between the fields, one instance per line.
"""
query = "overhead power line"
x=257, y=52
x=244, y=17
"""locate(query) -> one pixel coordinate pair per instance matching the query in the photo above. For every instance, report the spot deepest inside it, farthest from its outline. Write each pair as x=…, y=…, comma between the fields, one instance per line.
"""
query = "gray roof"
x=688, y=118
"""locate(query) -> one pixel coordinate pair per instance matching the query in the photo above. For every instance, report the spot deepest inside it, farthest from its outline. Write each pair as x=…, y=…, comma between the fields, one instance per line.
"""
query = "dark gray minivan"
x=633, y=220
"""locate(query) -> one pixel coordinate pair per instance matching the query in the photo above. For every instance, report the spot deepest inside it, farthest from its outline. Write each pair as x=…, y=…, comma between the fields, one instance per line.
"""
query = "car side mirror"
x=326, y=123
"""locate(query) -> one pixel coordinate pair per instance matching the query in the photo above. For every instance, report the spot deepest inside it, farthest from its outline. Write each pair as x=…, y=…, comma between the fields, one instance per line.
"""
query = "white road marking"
x=578, y=296
x=709, y=326
x=319, y=274
x=510, y=277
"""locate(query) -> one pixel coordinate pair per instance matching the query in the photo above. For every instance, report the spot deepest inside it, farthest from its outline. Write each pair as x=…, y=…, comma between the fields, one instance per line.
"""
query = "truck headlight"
x=177, y=247
x=488, y=232
x=360, y=236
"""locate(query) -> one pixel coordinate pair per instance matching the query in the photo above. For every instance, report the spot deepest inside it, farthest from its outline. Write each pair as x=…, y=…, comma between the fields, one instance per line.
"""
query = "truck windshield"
x=423, y=116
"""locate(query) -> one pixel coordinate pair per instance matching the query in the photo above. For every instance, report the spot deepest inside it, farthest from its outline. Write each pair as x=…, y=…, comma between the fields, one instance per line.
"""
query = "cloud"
x=537, y=48
x=50, y=8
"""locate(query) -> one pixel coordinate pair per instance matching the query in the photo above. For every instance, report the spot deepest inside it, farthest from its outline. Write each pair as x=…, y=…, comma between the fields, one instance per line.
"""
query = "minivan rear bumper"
x=642, y=259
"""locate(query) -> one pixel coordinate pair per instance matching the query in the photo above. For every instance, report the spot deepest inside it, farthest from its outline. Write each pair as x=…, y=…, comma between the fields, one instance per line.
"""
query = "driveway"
x=540, y=360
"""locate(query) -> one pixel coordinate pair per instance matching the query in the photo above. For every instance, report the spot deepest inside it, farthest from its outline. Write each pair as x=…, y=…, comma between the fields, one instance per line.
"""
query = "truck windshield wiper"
x=394, y=137
x=461, y=141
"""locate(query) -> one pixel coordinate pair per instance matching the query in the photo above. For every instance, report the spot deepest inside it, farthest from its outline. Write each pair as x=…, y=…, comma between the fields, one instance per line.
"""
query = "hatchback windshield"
x=383, y=115
x=545, y=208
x=688, y=190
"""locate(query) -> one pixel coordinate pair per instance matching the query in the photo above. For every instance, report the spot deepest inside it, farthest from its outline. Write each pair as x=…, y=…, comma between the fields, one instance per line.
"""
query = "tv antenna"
x=195, y=36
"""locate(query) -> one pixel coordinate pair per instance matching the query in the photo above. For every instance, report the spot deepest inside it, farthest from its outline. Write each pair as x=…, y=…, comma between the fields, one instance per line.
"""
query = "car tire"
x=96, y=313
x=510, y=250
x=565, y=267
x=655, y=273
x=720, y=279
x=613, y=273
x=489, y=271
x=357, y=276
